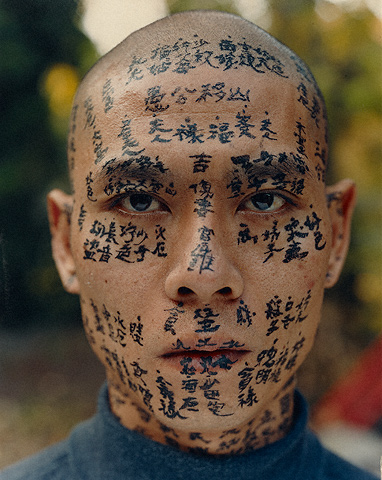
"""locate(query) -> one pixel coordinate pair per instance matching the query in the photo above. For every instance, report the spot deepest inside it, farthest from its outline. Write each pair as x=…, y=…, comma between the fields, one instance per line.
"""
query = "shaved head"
x=189, y=41
x=201, y=33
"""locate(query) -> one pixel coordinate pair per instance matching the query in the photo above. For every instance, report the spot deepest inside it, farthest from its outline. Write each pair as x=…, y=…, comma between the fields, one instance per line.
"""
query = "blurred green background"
x=43, y=55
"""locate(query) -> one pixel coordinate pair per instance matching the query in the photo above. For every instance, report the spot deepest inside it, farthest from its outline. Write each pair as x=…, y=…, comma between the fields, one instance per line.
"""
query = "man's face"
x=201, y=239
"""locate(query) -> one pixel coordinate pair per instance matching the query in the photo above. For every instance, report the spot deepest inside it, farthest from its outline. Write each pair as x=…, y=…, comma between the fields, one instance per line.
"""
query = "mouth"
x=203, y=361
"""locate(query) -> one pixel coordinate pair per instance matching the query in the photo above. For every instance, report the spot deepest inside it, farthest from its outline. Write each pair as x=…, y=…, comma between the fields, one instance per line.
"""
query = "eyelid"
x=287, y=199
x=115, y=201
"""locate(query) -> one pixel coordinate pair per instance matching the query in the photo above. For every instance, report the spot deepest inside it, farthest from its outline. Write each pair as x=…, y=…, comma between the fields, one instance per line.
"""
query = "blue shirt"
x=102, y=449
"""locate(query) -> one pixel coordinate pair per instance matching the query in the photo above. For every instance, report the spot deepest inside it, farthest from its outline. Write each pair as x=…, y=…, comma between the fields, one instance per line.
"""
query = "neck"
x=267, y=426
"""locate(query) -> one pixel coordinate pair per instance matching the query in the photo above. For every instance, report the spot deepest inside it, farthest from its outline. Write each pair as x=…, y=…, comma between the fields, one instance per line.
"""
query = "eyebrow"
x=293, y=166
x=138, y=168
x=244, y=167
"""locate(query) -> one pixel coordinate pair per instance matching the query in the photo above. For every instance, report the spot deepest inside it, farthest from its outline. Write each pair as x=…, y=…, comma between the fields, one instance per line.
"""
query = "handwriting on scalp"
x=187, y=54
x=91, y=123
x=107, y=95
x=311, y=101
x=156, y=102
x=71, y=139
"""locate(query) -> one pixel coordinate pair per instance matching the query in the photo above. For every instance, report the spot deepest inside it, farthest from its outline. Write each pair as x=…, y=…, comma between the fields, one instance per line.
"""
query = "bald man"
x=200, y=237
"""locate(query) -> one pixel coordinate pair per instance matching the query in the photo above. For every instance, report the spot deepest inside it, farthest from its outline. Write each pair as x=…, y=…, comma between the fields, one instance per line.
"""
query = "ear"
x=341, y=199
x=60, y=207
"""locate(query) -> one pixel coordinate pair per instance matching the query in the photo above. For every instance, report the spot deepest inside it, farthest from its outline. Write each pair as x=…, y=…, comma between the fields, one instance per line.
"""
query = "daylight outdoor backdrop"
x=44, y=52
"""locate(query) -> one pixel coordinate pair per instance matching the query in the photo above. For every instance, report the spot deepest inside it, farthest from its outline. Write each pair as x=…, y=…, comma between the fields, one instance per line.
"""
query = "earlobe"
x=341, y=199
x=59, y=212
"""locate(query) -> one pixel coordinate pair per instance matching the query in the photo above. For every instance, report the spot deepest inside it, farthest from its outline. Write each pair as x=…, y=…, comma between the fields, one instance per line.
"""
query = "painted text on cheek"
x=268, y=369
x=291, y=246
x=114, y=326
x=133, y=378
x=243, y=314
x=284, y=313
x=127, y=243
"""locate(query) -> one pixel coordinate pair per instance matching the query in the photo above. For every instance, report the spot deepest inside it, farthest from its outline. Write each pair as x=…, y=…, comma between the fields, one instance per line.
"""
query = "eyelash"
x=288, y=202
x=115, y=203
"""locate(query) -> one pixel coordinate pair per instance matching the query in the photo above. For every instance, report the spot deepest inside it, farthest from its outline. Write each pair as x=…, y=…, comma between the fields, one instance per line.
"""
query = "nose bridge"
x=201, y=254
x=202, y=266
x=203, y=242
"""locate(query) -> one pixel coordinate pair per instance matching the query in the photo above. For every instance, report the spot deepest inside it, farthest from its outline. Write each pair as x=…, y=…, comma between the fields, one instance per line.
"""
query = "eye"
x=265, y=202
x=139, y=202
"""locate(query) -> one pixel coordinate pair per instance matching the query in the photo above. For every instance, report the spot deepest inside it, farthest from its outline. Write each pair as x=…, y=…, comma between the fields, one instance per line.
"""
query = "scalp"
x=210, y=26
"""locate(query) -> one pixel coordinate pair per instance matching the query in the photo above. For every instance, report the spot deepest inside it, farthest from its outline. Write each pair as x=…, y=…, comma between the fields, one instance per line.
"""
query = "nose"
x=202, y=269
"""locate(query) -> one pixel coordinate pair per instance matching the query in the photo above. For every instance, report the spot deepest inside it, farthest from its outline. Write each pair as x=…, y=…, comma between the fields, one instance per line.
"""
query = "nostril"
x=225, y=291
x=184, y=291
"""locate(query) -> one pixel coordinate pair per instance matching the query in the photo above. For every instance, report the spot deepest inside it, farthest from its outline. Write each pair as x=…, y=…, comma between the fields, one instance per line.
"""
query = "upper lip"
x=192, y=353
x=215, y=346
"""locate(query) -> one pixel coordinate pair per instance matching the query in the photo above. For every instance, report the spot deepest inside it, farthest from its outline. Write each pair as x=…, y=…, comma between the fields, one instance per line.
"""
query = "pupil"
x=262, y=201
x=140, y=201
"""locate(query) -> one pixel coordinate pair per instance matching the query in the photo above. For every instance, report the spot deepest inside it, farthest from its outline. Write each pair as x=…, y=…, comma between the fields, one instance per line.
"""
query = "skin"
x=201, y=298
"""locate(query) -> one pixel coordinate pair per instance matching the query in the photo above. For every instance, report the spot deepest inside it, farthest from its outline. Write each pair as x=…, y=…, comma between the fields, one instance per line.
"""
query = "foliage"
x=39, y=39
x=176, y=6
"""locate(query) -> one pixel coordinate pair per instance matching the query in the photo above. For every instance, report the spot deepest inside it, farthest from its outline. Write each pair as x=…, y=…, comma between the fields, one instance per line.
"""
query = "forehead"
x=153, y=104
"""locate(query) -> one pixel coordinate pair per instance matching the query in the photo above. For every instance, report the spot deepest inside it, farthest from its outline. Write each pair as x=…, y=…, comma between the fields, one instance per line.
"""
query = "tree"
x=39, y=40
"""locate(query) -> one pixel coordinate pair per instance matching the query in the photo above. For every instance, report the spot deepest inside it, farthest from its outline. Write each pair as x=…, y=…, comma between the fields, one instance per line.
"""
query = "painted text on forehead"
x=236, y=91
x=149, y=54
x=241, y=173
x=269, y=160
x=252, y=114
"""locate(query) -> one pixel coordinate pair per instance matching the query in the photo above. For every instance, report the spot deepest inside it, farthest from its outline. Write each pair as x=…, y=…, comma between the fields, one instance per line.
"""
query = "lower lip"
x=203, y=362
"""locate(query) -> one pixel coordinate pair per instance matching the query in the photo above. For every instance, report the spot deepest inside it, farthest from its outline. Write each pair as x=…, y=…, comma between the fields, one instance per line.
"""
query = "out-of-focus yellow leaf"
x=368, y=287
x=60, y=83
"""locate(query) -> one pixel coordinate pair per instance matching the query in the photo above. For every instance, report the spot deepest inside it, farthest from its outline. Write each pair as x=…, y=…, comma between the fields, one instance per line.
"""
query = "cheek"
x=284, y=253
x=112, y=257
x=285, y=268
x=117, y=339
